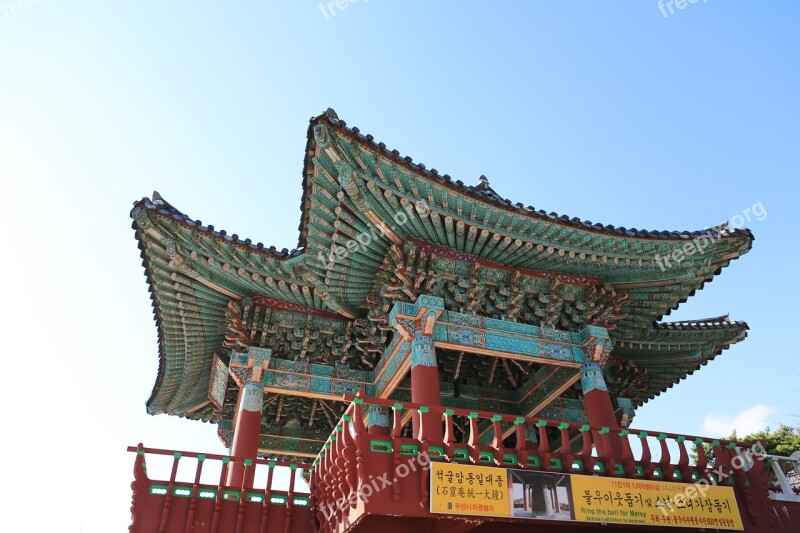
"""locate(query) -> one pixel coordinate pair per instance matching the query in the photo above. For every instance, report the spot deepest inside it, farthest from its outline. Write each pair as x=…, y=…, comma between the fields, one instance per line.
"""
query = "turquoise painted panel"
x=518, y=345
x=430, y=302
x=294, y=382
x=321, y=385
x=511, y=327
x=463, y=319
x=343, y=371
x=423, y=352
x=322, y=370
x=259, y=354
x=238, y=358
x=301, y=367
x=577, y=354
x=378, y=416
x=465, y=336
x=554, y=334
x=592, y=378
x=340, y=386
x=596, y=331
x=391, y=367
x=560, y=352
x=564, y=414
x=440, y=332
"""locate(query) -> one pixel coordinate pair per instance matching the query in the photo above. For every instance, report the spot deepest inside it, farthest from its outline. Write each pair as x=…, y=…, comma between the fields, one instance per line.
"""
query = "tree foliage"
x=783, y=441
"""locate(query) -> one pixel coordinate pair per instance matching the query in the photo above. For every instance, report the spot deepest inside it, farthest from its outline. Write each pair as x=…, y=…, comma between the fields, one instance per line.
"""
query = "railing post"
x=667, y=468
x=193, y=502
x=162, y=526
x=702, y=458
x=683, y=460
x=287, y=522
x=449, y=429
x=267, y=497
x=647, y=457
x=352, y=454
x=397, y=426
x=223, y=476
x=474, y=438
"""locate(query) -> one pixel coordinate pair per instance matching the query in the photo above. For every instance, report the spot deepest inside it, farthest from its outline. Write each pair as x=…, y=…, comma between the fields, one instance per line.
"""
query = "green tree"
x=783, y=441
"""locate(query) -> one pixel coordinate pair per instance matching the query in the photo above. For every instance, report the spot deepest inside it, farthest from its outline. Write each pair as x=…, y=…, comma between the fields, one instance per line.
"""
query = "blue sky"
x=608, y=111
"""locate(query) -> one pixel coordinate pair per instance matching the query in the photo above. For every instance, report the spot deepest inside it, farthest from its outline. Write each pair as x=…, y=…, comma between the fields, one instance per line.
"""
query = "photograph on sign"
x=541, y=495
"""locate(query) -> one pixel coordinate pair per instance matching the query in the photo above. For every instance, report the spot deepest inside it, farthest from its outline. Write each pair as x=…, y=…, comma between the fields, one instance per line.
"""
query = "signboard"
x=469, y=490
x=485, y=491
x=656, y=503
x=218, y=383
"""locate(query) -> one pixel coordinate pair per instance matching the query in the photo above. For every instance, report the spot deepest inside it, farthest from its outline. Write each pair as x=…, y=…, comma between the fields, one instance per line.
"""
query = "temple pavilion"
x=436, y=315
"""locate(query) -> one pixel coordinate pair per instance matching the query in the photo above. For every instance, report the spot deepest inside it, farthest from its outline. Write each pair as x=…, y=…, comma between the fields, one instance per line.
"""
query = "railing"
x=357, y=453
x=783, y=474
x=183, y=505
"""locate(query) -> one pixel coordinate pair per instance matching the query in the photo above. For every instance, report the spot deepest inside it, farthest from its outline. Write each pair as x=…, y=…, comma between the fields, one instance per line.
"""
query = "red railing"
x=372, y=478
x=356, y=454
x=181, y=506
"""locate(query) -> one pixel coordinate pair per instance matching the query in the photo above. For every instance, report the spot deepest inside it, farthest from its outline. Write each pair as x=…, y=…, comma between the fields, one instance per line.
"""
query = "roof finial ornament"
x=483, y=182
x=157, y=199
x=331, y=113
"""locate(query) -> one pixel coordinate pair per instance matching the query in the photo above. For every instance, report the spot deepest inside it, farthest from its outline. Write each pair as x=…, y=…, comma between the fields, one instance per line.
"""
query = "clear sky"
x=609, y=111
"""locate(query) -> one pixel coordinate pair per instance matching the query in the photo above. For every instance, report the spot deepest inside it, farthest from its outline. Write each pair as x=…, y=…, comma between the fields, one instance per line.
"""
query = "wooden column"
x=415, y=322
x=246, y=433
x=425, y=387
x=599, y=409
x=378, y=417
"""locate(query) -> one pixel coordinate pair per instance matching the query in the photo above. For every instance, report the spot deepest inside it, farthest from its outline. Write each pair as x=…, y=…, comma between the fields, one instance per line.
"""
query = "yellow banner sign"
x=469, y=490
x=655, y=503
x=460, y=489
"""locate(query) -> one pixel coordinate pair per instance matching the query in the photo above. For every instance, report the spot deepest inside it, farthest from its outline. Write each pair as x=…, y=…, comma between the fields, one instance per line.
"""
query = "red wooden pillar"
x=246, y=433
x=416, y=323
x=425, y=387
x=599, y=409
x=378, y=420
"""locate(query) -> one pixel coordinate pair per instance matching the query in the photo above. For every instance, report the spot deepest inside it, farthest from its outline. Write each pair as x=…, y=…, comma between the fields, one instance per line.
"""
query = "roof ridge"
x=720, y=318
x=164, y=208
x=486, y=192
x=719, y=322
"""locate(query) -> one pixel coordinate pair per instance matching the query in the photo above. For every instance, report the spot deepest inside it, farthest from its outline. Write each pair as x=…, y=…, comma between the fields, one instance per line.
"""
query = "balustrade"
x=356, y=454
x=174, y=504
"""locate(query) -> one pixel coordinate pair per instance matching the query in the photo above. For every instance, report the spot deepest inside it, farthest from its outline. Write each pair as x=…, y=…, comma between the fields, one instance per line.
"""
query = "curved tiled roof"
x=720, y=322
x=182, y=355
x=482, y=191
x=672, y=351
x=165, y=208
x=160, y=207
